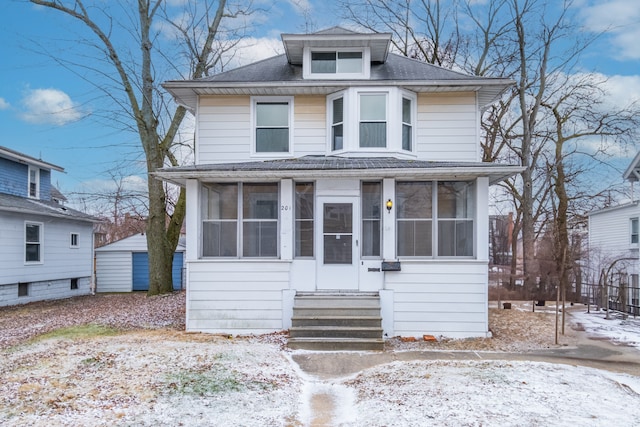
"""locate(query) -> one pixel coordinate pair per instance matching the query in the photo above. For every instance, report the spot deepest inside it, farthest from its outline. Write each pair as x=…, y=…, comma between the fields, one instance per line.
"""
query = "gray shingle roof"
x=333, y=166
x=17, y=204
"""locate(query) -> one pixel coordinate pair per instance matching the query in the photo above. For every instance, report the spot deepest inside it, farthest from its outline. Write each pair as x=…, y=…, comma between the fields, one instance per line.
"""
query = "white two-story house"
x=46, y=248
x=338, y=170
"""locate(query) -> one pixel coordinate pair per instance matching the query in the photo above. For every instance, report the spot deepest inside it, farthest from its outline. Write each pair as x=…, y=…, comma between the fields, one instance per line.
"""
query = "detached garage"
x=123, y=266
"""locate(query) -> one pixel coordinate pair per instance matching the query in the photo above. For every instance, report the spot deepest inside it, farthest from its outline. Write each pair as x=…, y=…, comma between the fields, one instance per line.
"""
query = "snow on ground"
x=165, y=377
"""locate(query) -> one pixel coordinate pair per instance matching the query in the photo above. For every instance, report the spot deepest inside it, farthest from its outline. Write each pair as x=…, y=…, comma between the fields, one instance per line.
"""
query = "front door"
x=338, y=244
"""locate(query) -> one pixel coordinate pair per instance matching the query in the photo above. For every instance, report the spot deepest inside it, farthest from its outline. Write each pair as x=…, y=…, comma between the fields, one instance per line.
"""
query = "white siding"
x=310, y=126
x=447, y=127
x=610, y=237
x=240, y=297
x=46, y=290
x=114, y=271
x=441, y=298
x=60, y=261
x=224, y=129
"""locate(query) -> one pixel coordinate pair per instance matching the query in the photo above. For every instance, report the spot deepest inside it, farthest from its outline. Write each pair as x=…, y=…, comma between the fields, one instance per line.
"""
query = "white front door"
x=338, y=247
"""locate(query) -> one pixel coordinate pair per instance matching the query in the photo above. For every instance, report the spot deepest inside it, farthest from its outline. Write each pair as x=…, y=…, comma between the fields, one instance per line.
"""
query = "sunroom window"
x=371, y=219
x=304, y=219
x=240, y=219
x=440, y=224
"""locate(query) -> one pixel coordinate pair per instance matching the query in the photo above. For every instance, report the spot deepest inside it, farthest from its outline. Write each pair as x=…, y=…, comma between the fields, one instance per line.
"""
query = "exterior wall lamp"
x=389, y=205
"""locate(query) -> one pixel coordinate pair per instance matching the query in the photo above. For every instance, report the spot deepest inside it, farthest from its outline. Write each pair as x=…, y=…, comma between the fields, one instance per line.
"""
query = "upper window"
x=373, y=120
x=34, y=182
x=337, y=124
x=272, y=126
x=33, y=242
x=435, y=219
x=336, y=62
x=635, y=231
x=240, y=219
x=407, y=128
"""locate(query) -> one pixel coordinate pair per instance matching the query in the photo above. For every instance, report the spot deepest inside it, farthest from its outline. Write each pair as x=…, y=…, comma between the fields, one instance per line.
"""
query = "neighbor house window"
x=634, y=231
x=304, y=206
x=75, y=240
x=337, y=124
x=336, y=63
x=435, y=219
x=373, y=120
x=23, y=289
x=272, y=126
x=240, y=219
x=33, y=242
x=407, y=128
x=371, y=221
x=34, y=182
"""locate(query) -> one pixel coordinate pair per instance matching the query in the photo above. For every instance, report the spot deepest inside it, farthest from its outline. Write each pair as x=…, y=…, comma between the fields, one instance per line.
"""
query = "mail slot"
x=390, y=265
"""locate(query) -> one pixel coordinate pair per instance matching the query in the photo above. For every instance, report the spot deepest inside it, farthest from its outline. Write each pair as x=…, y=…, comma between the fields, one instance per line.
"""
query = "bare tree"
x=199, y=33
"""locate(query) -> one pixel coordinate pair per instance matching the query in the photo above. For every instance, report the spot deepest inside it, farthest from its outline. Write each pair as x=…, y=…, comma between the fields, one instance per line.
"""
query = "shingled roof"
x=10, y=203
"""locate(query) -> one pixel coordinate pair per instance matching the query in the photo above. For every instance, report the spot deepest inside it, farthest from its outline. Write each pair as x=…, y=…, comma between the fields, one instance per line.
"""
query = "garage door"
x=141, y=271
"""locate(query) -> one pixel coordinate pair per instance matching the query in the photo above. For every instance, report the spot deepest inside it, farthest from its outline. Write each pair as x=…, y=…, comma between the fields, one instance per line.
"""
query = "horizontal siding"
x=310, y=125
x=48, y=290
x=440, y=298
x=447, y=127
x=114, y=271
x=60, y=261
x=610, y=237
x=242, y=297
x=224, y=131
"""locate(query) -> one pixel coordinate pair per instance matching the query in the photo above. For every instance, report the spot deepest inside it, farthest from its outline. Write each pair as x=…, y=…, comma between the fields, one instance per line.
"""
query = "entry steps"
x=328, y=321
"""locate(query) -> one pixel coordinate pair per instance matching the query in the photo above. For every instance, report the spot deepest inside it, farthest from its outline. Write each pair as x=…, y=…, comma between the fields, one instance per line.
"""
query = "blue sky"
x=47, y=111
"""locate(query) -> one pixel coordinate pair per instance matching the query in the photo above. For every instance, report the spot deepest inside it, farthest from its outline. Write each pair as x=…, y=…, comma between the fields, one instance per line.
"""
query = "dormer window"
x=336, y=64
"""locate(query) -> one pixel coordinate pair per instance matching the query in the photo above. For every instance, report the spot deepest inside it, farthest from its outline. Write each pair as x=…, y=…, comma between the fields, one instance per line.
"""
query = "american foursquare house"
x=46, y=248
x=338, y=192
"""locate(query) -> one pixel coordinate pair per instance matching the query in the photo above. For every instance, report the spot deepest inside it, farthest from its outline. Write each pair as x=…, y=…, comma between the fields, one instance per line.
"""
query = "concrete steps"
x=336, y=321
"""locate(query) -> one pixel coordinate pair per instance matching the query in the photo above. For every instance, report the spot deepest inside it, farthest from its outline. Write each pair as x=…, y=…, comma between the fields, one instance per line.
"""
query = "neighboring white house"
x=46, y=248
x=123, y=266
x=614, y=236
x=338, y=169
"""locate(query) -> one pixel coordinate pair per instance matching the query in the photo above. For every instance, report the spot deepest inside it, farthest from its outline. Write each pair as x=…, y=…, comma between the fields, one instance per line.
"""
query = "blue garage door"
x=141, y=271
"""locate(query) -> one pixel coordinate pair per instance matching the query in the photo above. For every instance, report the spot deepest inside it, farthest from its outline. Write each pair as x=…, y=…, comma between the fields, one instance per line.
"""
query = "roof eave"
x=495, y=173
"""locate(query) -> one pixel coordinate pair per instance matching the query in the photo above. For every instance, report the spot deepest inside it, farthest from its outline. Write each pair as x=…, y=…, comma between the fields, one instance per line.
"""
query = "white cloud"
x=620, y=19
x=251, y=49
x=4, y=105
x=49, y=106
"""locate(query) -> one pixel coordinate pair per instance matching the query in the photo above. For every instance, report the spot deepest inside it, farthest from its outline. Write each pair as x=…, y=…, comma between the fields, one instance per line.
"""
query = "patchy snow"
x=145, y=376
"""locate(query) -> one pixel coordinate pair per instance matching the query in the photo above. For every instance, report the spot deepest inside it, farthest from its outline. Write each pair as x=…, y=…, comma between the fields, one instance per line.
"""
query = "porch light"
x=389, y=205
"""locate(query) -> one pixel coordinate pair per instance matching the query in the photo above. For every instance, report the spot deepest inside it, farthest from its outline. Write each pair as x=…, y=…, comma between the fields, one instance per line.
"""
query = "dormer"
x=25, y=176
x=336, y=53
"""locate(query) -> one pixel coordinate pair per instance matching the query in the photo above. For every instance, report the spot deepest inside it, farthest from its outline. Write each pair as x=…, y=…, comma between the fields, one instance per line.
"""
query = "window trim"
x=308, y=74
x=40, y=242
x=255, y=100
x=36, y=182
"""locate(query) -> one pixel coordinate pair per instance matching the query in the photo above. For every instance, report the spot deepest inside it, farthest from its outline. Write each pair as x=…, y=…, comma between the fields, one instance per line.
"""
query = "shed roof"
x=134, y=243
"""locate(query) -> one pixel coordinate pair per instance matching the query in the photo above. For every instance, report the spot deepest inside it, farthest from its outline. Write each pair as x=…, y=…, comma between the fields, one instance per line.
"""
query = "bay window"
x=373, y=120
x=337, y=124
x=407, y=128
x=435, y=219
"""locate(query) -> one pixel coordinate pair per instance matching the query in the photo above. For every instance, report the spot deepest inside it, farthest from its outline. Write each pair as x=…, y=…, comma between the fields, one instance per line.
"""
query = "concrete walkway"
x=326, y=367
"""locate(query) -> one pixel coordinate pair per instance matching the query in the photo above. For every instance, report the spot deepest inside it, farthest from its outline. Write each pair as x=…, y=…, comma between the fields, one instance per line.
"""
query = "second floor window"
x=373, y=120
x=336, y=62
x=272, y=123
x=635, y=231
x=34, y=182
